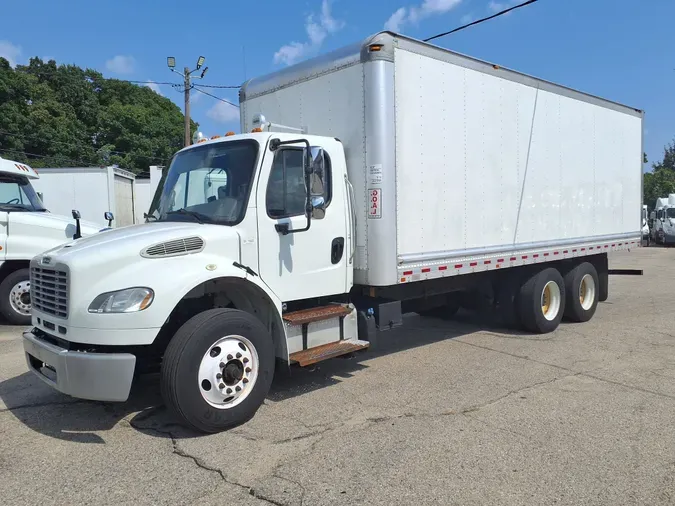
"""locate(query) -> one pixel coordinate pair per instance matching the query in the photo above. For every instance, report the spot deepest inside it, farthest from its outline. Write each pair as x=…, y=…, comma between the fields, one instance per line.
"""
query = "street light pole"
x=187, y=85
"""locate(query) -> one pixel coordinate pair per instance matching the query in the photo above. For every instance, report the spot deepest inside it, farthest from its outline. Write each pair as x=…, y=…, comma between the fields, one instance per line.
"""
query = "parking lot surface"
x=454, y=412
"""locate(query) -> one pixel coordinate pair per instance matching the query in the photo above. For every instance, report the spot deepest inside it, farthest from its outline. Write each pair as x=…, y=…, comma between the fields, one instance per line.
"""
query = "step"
x=326, y=351
x=316, y=314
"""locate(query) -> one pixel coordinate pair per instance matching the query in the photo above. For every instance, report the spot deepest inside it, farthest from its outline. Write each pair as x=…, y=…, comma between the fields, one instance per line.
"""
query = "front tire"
x=15, y=303
x=582, y=289
x=217, y=370
x=541, y=301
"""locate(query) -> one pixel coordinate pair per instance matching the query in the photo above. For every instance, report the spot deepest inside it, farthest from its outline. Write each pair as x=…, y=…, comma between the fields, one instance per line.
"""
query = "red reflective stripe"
x=500, y=260
x=407, y=273
x=443, y=268
x=574, y=251
x=426, y=269
x=565, y=252
x=583, y=249
x=473, y=264
x=606, y=246
x=487, y=262
x=535, y=256
x=545, y=254
x=513, y=259
x=556, y=252
x=524, y=257
x=458, y=266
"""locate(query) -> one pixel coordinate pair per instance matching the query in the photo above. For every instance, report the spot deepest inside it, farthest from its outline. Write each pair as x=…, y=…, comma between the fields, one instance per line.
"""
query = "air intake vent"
x=174, y=248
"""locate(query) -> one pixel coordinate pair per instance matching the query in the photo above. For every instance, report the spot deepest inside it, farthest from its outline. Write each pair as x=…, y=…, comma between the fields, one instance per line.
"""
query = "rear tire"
x=582, y=288
x=15, y=303
x=541, y=301
x=230, y=343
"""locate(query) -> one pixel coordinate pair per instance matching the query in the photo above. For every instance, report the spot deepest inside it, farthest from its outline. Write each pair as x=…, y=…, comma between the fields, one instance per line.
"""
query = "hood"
x=57, y=222
x=122, y=244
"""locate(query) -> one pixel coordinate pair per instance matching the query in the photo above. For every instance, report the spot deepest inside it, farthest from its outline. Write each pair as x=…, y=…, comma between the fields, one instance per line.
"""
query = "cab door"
x=311, y=263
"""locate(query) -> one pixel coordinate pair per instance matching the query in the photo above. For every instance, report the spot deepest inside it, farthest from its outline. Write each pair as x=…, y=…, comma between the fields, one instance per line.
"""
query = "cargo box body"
x=459, y=165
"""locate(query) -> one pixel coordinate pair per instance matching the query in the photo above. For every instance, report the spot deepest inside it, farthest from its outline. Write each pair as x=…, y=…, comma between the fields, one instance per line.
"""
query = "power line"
x=217, y=98
x=500, y=13
x=35, y=155
x=218, y=86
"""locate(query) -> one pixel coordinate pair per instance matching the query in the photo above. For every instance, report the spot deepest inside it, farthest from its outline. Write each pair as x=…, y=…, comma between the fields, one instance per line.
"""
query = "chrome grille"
x=174, y=248
x=49, y=291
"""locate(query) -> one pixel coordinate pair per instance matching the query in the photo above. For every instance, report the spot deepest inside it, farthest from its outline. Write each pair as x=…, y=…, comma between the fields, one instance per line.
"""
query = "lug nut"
x=222, y=365
x=228, y=391
x=221, y=386
x=229, y=357
x=245, y=360
x=237, y=388
x=218, y=376
x=248, y=369
x=238, y=355
x=245, y=380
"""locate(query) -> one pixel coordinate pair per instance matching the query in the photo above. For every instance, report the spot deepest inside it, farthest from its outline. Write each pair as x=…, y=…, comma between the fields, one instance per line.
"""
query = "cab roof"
x=16, y=168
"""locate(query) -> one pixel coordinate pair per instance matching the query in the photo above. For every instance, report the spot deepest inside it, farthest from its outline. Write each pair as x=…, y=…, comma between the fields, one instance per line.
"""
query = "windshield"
x=17, y=194
x=670, y=212
x=208, y=184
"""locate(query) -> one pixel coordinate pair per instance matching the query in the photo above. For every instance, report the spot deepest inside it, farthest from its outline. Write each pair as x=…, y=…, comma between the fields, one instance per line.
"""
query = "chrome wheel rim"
x=550, y=300
x=228, y=372
x=19, y=298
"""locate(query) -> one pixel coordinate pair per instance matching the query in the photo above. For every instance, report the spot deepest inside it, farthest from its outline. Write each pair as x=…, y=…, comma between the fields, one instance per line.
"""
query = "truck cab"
x=26, y=229
x=664, y=220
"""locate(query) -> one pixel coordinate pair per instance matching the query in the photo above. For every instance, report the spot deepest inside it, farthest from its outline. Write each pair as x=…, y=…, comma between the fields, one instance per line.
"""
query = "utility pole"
x=187, y=85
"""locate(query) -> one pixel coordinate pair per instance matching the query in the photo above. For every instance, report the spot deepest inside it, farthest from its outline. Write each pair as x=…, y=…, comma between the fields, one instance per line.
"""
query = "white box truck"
x=386, y=177
x=27, y=228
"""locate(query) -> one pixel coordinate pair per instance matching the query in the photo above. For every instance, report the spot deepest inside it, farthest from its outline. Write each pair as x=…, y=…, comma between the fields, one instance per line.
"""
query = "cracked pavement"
x=457, y=412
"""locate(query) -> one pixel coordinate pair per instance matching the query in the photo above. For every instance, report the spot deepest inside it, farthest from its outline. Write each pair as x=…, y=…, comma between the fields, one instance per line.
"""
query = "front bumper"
x=94, y=376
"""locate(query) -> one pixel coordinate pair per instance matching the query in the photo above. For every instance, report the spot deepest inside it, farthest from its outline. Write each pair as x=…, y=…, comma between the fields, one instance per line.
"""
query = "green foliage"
x=61, y=115
x=661, y=181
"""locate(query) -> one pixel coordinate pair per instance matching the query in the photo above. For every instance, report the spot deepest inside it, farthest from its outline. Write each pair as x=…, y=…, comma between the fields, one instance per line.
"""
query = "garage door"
x=124, y=201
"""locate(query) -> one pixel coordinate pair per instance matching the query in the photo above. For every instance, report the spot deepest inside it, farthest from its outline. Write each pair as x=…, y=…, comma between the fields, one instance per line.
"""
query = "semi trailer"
x=387, y=177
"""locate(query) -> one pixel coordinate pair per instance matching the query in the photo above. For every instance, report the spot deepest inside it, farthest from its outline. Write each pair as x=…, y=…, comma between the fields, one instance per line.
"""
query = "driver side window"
x=286, y=187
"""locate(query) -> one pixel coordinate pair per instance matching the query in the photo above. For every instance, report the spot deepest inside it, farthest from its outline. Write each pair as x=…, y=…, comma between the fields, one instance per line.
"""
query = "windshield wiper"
x=150, y=217
x=197, y=216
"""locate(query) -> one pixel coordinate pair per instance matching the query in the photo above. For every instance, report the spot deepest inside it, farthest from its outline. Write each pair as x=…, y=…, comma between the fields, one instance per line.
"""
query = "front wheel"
x=15, y=297
x=217, y=370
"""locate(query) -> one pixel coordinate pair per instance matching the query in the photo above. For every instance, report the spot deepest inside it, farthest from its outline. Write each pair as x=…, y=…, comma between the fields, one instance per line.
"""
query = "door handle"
x=337, y=249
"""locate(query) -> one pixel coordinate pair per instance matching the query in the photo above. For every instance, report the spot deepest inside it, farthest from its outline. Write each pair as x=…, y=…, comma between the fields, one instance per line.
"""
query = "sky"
x=622, y=50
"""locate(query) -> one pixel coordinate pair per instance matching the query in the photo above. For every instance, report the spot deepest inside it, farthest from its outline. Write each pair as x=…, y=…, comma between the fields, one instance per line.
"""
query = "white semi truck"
x=26, y=229
x=664, y=220
x=388, y=177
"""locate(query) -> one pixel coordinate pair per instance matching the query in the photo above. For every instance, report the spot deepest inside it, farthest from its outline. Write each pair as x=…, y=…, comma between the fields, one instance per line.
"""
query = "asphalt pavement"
x=458, y=412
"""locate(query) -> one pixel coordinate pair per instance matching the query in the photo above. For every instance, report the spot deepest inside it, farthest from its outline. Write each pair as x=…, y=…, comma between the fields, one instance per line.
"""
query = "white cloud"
x=10, y=52
x=153, y=86
x=396, y=20
x=466, y=19
x=121, y=64
x=417, y=13
x=318, y=27
x=495, y=7
x=223, y=112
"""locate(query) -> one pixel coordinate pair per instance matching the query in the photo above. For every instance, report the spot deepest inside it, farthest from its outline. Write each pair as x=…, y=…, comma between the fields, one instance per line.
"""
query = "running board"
x=316, y=314
x=326, y=351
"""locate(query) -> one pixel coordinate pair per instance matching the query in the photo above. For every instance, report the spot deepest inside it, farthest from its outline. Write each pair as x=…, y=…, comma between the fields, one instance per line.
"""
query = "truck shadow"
x=52, y=414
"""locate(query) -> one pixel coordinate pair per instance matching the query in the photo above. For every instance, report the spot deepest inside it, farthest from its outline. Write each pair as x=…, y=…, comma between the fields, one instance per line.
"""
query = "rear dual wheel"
x=582, y=287
x=541, y=301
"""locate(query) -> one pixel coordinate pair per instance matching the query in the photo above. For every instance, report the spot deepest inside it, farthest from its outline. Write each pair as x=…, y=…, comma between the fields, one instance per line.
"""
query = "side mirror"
x=109, y=216
x=78, y=228
x=317, y=182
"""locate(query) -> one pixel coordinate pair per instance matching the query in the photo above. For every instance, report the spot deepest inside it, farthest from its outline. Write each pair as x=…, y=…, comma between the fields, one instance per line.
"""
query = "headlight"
x=129, y=300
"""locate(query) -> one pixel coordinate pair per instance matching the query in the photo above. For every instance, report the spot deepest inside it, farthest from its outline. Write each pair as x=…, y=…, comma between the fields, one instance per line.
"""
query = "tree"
x=661, y=181
x=62, y=115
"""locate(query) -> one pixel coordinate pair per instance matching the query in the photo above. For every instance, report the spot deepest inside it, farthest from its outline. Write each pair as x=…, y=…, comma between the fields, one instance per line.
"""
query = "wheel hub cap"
x=228, y=371
x=550, y=300
x=587, y=292
x=19, y=297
